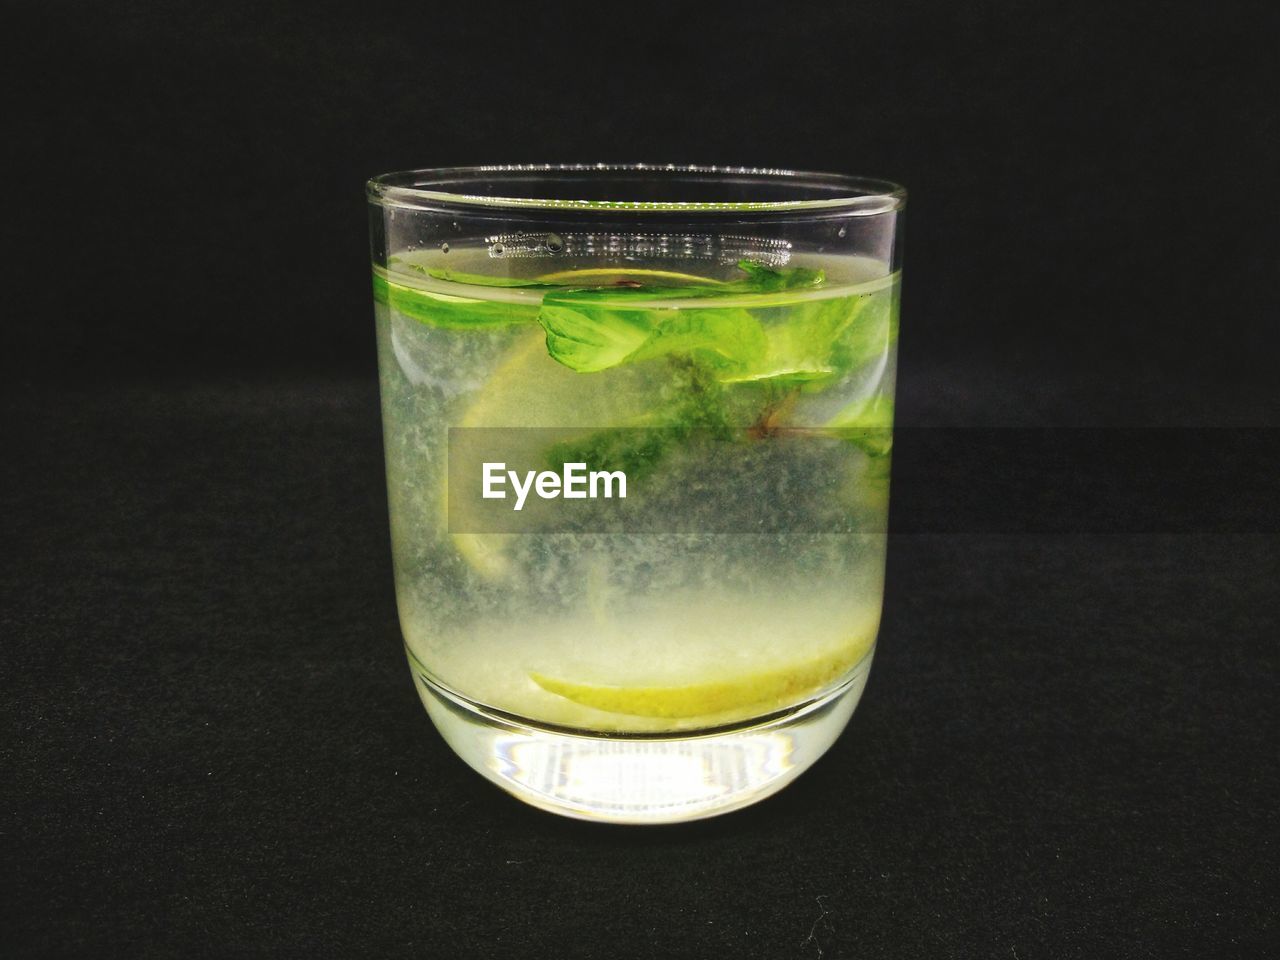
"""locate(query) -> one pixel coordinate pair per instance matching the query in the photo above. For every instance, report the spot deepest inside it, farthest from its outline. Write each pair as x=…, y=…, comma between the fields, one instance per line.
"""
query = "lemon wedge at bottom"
x=751, y=693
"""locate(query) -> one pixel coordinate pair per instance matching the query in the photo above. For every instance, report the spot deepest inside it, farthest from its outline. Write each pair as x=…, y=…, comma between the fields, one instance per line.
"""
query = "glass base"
x=630, y=778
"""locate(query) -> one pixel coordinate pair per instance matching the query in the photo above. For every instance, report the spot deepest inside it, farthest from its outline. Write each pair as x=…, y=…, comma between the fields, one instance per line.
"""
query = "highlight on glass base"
x=638, y=778
x=638, y=422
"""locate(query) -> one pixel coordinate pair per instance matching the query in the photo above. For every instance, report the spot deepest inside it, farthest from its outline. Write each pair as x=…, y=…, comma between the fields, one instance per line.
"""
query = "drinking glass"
x=637, y=422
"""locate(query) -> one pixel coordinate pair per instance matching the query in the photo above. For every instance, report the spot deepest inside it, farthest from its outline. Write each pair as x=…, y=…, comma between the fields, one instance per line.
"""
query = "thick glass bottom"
x=629, y=778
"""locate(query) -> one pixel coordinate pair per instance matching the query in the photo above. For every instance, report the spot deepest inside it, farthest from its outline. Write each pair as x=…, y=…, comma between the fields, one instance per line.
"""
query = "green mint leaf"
x=697, y=403
x=635, y=451
x=874, y=329
x=589, y=333
x=762, y=279
x=802, y=341
x=590, y=338
x=723, y=339
x=866, y=423
x=593, y=329
x=477, y=279
x=759, y=279
x=446, y=310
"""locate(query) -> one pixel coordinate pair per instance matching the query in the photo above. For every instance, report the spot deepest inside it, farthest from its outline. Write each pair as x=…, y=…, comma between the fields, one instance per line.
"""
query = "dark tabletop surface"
x=213, y=747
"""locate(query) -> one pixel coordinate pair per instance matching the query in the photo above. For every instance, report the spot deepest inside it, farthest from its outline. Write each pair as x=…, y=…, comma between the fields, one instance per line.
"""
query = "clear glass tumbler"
x=637, y=423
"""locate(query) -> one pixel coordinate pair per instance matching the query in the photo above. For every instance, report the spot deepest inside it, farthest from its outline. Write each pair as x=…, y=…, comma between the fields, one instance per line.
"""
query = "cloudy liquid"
x=625, y=631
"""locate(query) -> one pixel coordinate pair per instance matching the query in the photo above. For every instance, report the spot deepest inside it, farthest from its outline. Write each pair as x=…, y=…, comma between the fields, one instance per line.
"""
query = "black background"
x=211, y=745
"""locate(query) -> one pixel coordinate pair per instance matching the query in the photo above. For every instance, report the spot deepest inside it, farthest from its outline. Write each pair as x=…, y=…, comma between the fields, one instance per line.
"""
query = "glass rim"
x=850, y=195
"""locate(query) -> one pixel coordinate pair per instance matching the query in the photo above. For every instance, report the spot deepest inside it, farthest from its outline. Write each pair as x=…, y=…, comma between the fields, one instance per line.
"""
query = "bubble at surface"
x=444, y=247
x=555, y=243
x=498, y=249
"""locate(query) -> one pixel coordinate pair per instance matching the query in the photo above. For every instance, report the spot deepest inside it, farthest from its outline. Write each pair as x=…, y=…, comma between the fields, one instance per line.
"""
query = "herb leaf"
x=698, y=404
x=477, y=279
x=803, y=341
x=588, y=332
x=866, y=423
x=445, y=310
x=762, y=279
x=589, y=340
x=874, y=330
x=592, y=330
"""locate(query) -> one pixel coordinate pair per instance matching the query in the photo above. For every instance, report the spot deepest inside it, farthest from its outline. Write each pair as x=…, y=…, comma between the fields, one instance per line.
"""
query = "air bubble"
x=555, y=243
x=444, y=247
x=842, y=232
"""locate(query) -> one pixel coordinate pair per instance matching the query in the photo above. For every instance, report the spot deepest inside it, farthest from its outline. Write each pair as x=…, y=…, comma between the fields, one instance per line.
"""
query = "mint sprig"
x=805, y=340
x=736, y=368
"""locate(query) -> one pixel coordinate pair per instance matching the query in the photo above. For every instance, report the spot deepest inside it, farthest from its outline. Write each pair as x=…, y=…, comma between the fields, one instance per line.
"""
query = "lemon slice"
x=752, y=693
x=497, y=403
x=604, y=276
x=529, y=389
